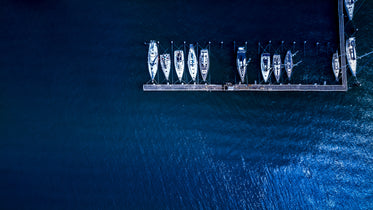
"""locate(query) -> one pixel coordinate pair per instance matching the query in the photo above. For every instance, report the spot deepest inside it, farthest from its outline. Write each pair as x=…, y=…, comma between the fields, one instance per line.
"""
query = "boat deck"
x=268, y=87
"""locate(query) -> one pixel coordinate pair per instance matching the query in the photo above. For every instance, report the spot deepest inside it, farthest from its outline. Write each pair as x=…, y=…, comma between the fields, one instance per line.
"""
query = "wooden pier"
x=242, y=87
x=342, y=44
x=268, y=87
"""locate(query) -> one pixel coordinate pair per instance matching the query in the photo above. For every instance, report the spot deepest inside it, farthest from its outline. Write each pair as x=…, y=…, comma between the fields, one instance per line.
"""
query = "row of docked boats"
x=288, y=65
x=265, y=64
x=267, y=68
x=179, y=62
x=351, y=58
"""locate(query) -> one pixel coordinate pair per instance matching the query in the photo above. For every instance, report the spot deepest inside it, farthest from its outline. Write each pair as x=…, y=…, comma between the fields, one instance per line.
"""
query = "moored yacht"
x=166, y=65
x=192, y=62
x=335, y=65
x=204, y=63
x=351, y=54
x=288, y=63
x=241, y=63
x=265, y=64
x=277, y=66
x=153, y=59
x=350, y=4
x=179, y=63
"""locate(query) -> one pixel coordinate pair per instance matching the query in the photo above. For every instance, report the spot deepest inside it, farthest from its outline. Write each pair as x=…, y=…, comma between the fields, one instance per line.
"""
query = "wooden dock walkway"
x=342, y=44
x=268, y=87
x=242, y=87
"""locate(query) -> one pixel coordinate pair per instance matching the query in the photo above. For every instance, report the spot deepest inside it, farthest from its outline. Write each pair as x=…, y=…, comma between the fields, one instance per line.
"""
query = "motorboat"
x=153, y=59
x=288, y=63
x=350, y=4
x=166, y=64
x=192, y=62
x=265, y=64
x=351, y=54
x=241, y=63
x=179, y=63
x=277, y=66
x=335, y=65
x=204, y=63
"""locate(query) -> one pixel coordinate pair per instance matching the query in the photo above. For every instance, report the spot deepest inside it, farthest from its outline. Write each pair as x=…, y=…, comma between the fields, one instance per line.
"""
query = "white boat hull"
x=277, y=66
x=192, y=63
x=288, y=64
x=350, y=4
x=336, y=66
x=166, y=65
x=241, y=63
x=265, y=64
x=179, y=63
x=351, y=54
x=153, y=59
x=204, y=63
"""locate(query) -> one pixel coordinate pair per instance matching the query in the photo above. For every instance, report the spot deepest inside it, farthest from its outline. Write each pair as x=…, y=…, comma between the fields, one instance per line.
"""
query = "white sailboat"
x=204, y=63
x=336, y=66
x=351, y=54
x=350, y=4
x=153, y=59
x=277, y=66
x=179, y=63
x=241, y=63
x=265, y=64
x=288, y=63
x=166, y=65
x=192, y=62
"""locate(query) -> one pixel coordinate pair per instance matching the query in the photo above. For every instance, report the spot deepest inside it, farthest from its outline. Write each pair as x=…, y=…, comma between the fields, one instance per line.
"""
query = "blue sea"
x=78, y=132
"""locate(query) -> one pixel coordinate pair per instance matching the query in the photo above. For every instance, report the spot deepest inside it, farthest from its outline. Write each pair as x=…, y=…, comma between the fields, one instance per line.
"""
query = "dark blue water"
x=78, y=132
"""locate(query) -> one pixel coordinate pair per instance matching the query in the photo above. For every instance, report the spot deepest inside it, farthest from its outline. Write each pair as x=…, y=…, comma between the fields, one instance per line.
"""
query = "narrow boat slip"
x=166, y=65
x=179, y=63
x=265, y=64
x=241, y=63
x=288, y=63
x=153, y=59
x=192, y=62
x=336, y=66
x=351, y=54
x=350, y=4
x=277, y=66
x=204, y=63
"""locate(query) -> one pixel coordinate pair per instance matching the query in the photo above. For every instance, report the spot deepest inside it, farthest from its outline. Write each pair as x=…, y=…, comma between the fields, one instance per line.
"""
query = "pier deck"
x=242, y=87
x=342, y=44
x=268, y=87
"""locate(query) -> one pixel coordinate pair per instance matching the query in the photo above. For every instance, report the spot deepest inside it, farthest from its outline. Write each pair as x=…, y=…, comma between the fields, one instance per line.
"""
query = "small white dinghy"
x=336, y=66
x=351, y=54
x=277, y=66
x=166, y=65
x=192, y=62
x=265, y=64
x=153, y=59
x=179, y=63
x=288, y=63
x=204, y=63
